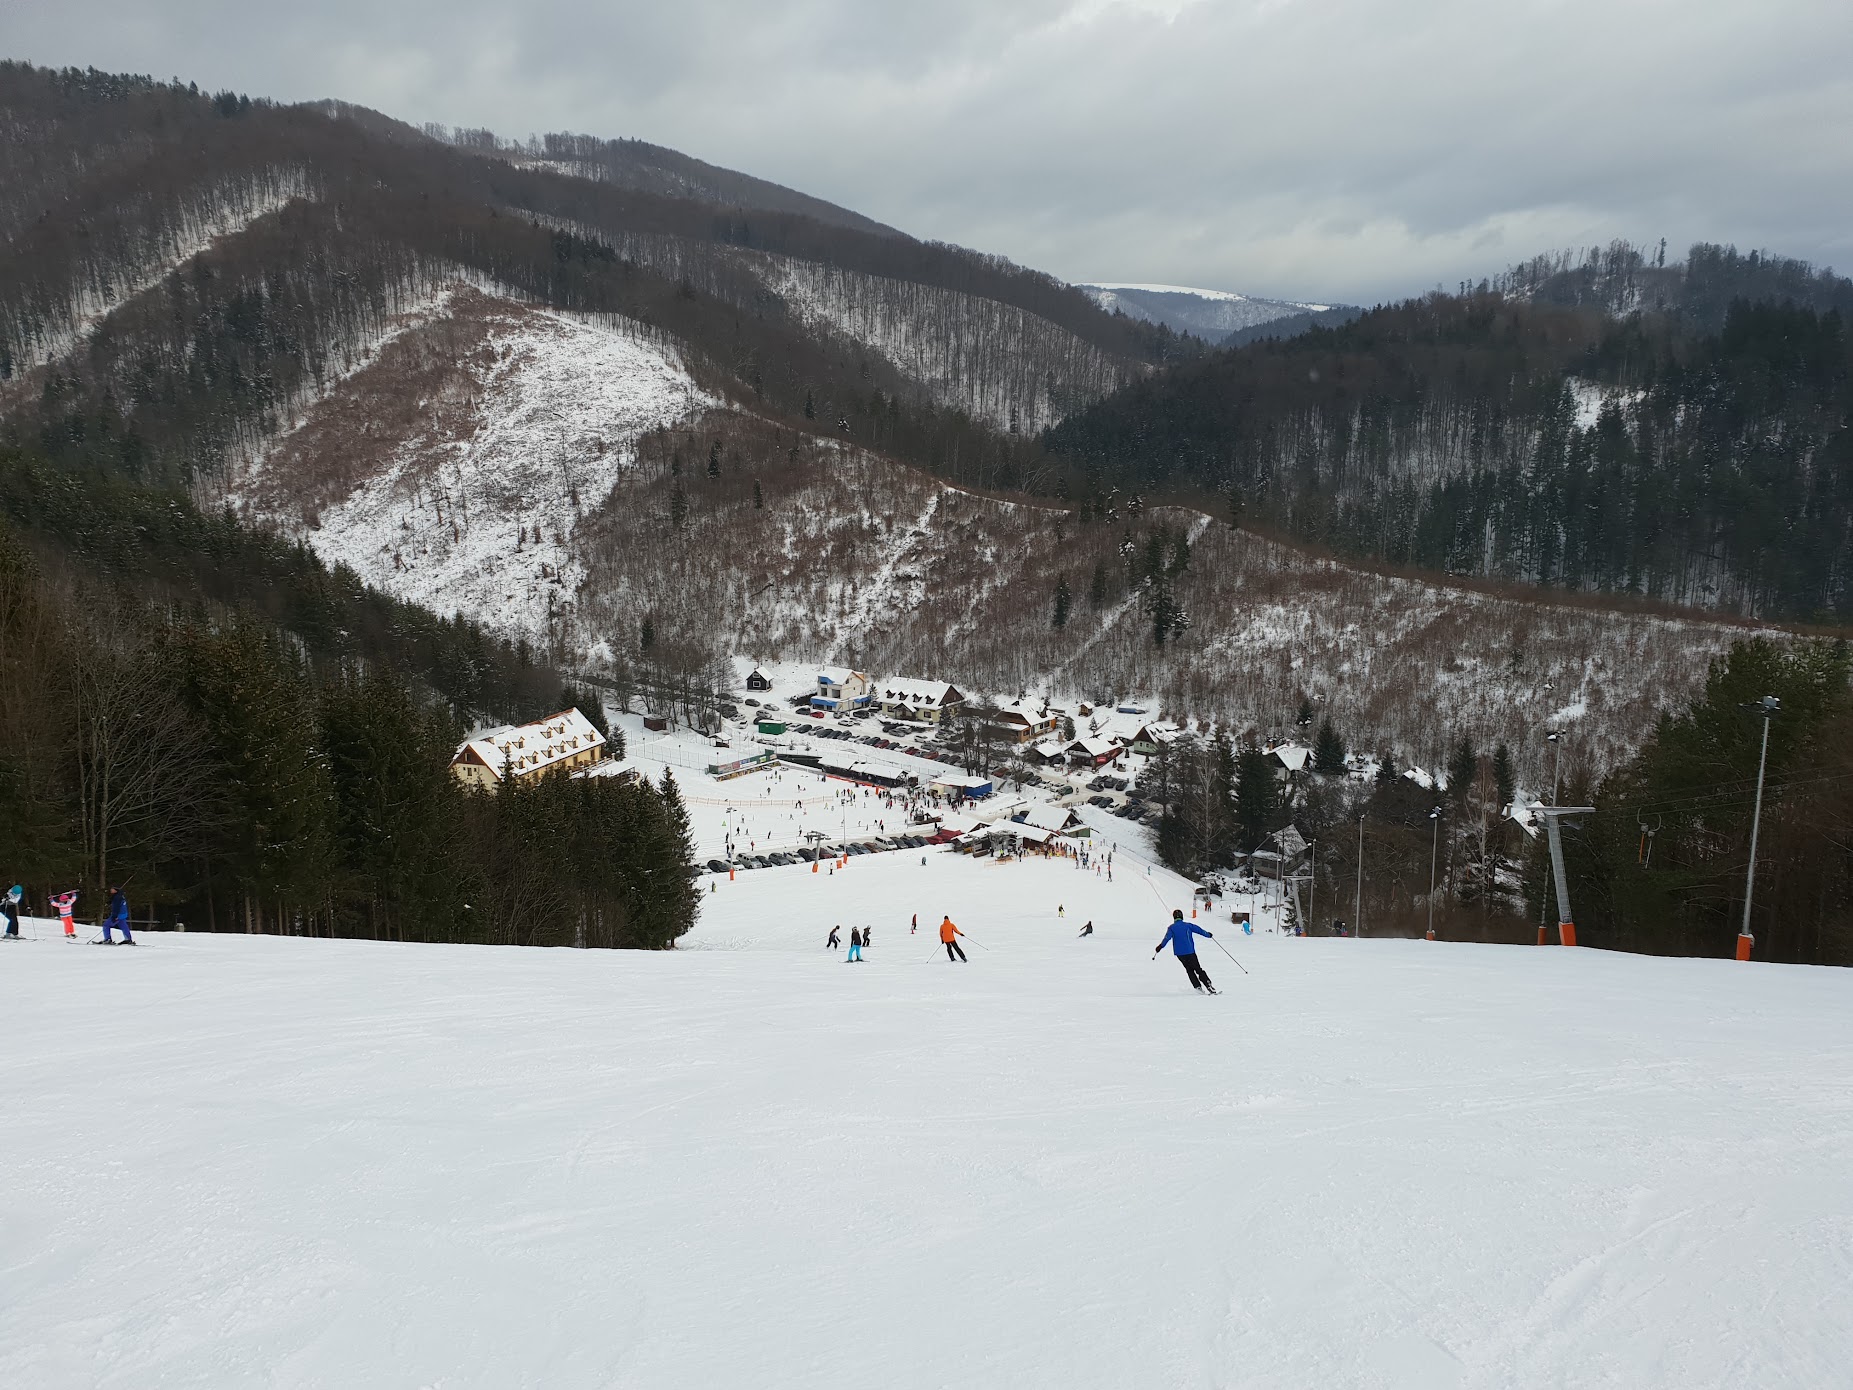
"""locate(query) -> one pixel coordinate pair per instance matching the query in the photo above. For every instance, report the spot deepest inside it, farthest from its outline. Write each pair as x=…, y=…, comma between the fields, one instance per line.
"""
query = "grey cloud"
x=1356, y=149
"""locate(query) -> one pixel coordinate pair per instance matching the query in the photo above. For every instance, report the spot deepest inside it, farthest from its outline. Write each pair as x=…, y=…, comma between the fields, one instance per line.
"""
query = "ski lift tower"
x=1553, y=824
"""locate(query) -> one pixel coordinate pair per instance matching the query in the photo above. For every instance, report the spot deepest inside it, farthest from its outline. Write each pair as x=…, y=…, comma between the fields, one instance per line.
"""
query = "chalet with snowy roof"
x=842, y=690
x=1026, y=720
x=1094, y=751
x=1290, y=755
x=757, y=679
x=1056, y=820
x=927, y=702
x=1050, y=750
x=1154, y=734
x=563, y=742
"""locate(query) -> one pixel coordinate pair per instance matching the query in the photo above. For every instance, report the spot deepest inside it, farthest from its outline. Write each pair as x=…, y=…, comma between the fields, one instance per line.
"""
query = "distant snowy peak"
x=1209, y=314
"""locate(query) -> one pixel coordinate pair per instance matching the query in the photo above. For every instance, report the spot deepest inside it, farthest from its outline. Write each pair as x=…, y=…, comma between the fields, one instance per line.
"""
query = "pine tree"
x=1063, y=601
x=1235, y=502
x=1503, y=776
x=1304, y=717
x=759, y=497
x=1257, y=799
x=1462, y=766
x=678, y=506
x=646, y=638
x=810, y=406
x=1097, y=587
x=714, y=459
x=1328, y=751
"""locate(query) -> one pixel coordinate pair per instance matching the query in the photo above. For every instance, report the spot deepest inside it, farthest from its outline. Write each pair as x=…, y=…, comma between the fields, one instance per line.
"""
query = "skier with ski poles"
x=116, y=915
x=66, y=903
x=9, y=908
x=949, y=934
x=1178, y=937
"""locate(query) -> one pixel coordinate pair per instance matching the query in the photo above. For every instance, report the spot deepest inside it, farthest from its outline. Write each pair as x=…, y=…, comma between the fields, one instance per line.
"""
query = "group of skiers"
x=115, y=914
x=1180, y=936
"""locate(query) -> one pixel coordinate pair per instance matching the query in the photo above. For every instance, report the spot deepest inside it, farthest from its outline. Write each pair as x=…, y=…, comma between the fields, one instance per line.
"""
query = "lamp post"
x=1765, y=709
x=1434, y=849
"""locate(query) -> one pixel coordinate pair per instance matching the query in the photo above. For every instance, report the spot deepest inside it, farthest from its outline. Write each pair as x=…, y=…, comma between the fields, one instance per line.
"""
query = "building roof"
x=903, y=690
x=1291, y=755
x=1021, y=830
x=524, y=749
x=1050, y=817
x=1158, y=731
x=839, y=675
x=1096, y=746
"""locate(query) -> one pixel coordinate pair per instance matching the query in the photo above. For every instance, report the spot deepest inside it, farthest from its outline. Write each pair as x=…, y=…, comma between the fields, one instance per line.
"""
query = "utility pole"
x=1553, y=819
x=1434, y=847
x=1766, y=709
x=1357, y=912
x=1555, y=739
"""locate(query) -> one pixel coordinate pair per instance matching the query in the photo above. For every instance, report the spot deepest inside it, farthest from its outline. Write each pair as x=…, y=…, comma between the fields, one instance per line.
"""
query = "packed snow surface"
x=251, y=1160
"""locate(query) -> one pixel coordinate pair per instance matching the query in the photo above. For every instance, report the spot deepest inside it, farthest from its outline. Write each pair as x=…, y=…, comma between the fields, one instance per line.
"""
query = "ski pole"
x=1225, y=950
x=979, y=944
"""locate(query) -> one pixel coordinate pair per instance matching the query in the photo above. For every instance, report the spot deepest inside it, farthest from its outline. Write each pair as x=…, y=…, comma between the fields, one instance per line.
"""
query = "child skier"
x=9, y=908
x=949, y=934
x=116, y=915
x=66, y=903
x=1177, y=937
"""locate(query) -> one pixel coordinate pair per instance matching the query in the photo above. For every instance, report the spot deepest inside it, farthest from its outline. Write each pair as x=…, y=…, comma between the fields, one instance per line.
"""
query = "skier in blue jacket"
x=1178, y=937
x=116, y=915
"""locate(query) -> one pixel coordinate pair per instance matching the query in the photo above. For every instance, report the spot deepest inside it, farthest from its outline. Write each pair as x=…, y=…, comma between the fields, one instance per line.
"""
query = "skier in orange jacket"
x=950, y=934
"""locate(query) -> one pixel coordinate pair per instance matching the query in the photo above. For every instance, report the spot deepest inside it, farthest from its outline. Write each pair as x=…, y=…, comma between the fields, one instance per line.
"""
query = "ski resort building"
x=758, y=680
x=1291, y=756
x=842, y=690
x=563, y=742
x=1026, y=720
x=1094, y=751
x=1153, y=735
x=921, y=701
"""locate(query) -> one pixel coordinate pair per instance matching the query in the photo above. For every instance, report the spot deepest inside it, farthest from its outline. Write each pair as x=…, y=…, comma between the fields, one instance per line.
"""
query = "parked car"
x=718, y=866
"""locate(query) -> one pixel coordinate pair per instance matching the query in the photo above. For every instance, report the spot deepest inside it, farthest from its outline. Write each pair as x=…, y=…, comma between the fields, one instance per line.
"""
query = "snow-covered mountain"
x=560, y=477
x=1209, y=314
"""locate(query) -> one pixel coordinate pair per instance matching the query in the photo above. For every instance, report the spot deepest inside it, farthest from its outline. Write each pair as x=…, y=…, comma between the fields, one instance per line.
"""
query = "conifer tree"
x=1257, y=799
x=1503, y=776
x=1063, y=601
x=1097, y=587
x=1328, y=751
x=1463, y=764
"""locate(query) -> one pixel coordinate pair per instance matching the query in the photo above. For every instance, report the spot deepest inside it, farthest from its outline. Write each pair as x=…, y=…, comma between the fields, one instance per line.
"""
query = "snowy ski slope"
x=258, y=1161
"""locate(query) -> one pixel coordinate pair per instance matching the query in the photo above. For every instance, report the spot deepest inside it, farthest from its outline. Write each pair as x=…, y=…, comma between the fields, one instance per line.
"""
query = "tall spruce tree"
x=1463, y=766
x=1504, y=779
x=1257, y=799
x=1328, y=751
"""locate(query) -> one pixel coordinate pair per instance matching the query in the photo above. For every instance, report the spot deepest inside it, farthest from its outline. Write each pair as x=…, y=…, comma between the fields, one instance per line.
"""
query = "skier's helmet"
x=1177, y=914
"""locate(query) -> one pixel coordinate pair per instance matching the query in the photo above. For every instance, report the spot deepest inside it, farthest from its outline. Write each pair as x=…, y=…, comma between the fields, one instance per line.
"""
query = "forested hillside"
x=184, y=274
x=1695, y=449
x=247, y=739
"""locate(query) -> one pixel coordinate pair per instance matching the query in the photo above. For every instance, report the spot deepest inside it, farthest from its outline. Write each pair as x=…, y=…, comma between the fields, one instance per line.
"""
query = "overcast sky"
x=1340, y=149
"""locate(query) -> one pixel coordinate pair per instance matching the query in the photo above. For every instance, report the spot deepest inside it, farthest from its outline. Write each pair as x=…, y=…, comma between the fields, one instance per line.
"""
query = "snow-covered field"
x=243, y=1161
